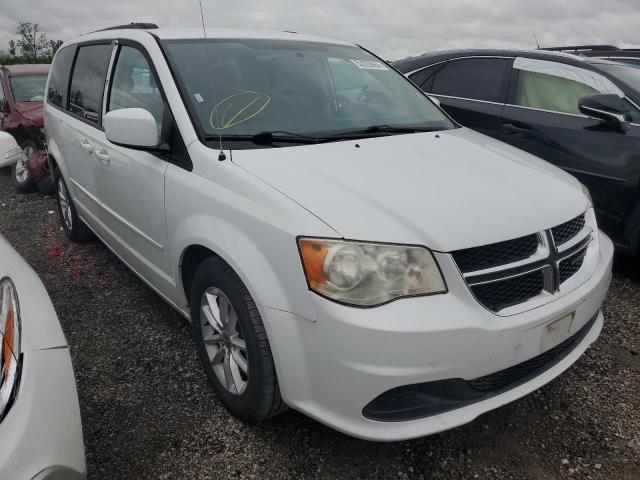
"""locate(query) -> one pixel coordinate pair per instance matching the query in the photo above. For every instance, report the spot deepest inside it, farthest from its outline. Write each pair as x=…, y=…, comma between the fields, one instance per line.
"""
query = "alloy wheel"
x=65, y=204
x=225, y=346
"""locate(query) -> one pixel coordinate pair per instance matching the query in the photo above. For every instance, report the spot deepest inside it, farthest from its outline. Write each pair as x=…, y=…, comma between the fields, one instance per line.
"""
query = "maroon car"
x=21, y=101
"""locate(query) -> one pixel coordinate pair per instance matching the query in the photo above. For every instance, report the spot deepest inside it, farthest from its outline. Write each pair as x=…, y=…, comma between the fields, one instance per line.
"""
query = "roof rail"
x=576, y=48
x=130, y=26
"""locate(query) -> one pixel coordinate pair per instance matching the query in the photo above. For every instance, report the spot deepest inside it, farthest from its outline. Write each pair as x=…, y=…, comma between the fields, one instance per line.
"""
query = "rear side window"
x=59, y=77
x=87, y=81
x=474, y=78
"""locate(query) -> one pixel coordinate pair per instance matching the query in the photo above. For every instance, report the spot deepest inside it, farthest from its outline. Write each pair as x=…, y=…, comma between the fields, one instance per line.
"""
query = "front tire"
x=21, y=174
x=74, y=228
x=232, y=343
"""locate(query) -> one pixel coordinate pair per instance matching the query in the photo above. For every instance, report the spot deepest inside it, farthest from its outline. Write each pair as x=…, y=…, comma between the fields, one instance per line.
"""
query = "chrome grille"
x=511, y=291
x=479, y=258
x=566, y=231
x=506, y=274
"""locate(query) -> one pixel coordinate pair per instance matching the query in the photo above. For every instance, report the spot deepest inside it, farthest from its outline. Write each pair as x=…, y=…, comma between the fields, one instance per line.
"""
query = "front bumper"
x=332, y=368
x=41, y=436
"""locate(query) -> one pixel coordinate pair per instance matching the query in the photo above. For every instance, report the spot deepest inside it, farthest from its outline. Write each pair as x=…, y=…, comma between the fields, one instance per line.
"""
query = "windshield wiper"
x=269, y=138
x=380, y=129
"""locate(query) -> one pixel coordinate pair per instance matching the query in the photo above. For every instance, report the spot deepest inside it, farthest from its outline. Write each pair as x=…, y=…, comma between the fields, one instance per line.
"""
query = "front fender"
x=246, y=222
x=274, y=281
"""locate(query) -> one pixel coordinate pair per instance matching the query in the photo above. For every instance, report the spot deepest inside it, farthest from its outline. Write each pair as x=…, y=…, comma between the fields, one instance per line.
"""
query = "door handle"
x=102, y=155
x=512, y=129
x=86, y=145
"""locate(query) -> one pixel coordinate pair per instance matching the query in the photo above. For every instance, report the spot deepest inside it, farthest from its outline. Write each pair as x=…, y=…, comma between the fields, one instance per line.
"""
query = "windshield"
x=244, y=87
x=627, y=74
x=28, y=88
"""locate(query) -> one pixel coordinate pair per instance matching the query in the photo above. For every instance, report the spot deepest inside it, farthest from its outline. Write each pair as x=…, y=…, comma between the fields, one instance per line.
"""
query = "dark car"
x=21, y=103
x=578, y=113
x=630, y=56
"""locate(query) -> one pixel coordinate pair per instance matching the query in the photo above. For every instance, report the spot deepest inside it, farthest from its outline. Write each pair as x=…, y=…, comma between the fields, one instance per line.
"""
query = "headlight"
x=10, y=351
x=369, y=274
x=586, y=191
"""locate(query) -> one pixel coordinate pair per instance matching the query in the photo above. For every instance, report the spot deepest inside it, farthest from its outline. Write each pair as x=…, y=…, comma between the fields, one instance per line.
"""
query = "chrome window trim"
x=456, y=58
x=467, y=99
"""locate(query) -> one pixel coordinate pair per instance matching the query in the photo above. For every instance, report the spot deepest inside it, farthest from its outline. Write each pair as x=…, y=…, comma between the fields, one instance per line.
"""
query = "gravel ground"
x=148, y=411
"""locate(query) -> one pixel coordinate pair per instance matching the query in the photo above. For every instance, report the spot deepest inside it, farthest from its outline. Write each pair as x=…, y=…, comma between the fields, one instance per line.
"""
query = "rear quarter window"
x=59, y=77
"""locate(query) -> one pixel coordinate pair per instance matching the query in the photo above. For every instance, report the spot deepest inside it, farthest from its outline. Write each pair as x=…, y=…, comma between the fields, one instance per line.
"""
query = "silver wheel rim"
x=65, y=204
x=226, y=349
x=22, y=172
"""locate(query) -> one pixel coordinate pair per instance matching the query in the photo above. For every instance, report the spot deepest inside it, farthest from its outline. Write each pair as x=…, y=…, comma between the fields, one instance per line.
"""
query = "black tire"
x=20, y=172
x=77, y=231
x=261, y=398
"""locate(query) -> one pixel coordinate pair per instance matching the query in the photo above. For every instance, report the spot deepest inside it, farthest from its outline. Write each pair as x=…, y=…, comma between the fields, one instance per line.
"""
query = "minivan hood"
x=446, y=190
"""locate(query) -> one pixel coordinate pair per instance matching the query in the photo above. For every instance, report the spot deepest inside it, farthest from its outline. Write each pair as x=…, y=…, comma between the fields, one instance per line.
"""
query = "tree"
x=12, y=48
x=52, y=47
x=31, y=43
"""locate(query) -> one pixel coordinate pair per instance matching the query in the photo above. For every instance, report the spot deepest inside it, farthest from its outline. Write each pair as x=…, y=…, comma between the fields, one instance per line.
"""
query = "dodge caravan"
x=339, y=244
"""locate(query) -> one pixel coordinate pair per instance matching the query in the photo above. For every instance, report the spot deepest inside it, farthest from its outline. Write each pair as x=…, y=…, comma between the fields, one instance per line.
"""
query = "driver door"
x=129, y=182
x=542, y=117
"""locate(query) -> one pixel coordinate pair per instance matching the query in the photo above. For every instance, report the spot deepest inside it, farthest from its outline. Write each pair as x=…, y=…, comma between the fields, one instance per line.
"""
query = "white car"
x=339, y=244
x=10, y=152
x=40, y=427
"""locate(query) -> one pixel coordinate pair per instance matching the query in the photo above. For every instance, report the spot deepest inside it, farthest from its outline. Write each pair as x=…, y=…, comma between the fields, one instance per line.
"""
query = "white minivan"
x=339, y=244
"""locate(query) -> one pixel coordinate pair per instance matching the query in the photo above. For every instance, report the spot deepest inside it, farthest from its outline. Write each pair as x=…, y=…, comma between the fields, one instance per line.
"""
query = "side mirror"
x=133, y=128
x=435, y=100
x=609, y=108
x=9, y=150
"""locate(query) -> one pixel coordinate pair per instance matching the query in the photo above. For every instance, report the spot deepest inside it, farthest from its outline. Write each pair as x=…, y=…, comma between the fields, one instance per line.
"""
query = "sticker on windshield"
x=198, y=97
x=368, y=64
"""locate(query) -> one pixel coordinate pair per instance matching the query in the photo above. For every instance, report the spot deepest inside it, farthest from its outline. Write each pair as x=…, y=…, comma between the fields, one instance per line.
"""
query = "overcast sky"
x=393, y=29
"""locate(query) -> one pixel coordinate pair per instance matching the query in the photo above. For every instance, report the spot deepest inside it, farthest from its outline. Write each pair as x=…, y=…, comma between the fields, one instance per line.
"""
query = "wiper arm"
x=380, y=129
x=269, y=138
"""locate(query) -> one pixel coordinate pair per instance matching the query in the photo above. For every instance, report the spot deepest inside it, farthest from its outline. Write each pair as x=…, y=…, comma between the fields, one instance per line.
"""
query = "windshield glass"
x=28, y=88
x=627, y=74
x=245, y=87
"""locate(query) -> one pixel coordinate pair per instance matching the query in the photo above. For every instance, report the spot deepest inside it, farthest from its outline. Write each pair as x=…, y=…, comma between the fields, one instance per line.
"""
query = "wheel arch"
x=272, y=280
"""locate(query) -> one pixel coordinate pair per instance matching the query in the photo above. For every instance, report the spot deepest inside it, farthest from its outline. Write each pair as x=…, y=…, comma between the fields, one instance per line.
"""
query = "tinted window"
x=424, y=78
x=134, y=85
x=59, y=77
x=475, y=78
x=87, y=82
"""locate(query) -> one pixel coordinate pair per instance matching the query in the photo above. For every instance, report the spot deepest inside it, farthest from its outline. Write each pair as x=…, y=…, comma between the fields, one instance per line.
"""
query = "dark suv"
x=630, y=56
x=581, y=114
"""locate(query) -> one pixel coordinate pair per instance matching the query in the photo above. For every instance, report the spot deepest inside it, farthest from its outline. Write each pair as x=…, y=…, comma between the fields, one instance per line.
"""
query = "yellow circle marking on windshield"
x=245, y=112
